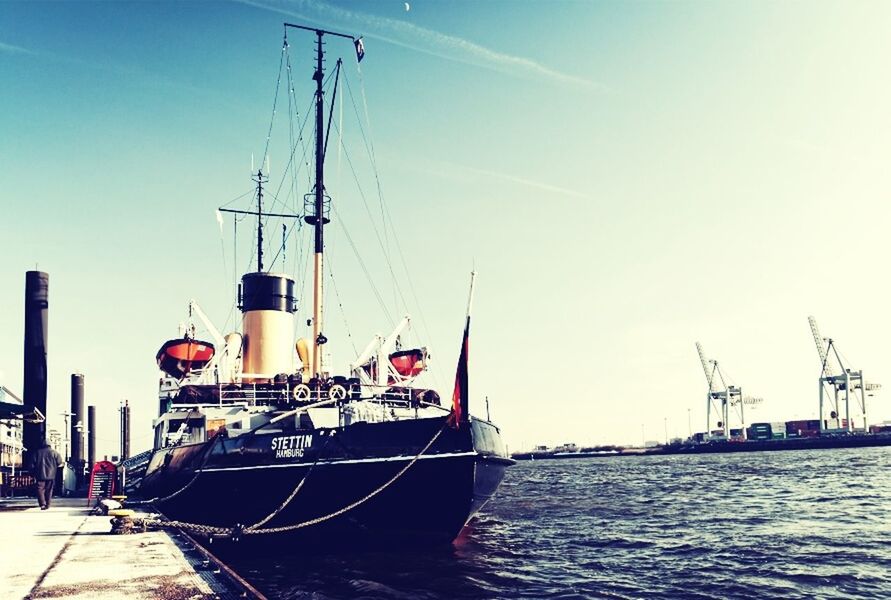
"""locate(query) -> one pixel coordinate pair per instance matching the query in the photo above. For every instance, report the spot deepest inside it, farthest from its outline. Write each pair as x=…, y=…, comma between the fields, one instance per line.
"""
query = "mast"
x=260, y=179
x=317, y=218
x=317, y=312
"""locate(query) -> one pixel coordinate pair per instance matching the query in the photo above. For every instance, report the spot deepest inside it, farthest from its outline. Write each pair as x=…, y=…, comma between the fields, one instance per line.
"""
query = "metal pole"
x=863, y=393
x=67, y=433
x=125, y=430
x=848, y=400
x=708, y=414
x=727, y=413
x=260, y=220
x=821, y=403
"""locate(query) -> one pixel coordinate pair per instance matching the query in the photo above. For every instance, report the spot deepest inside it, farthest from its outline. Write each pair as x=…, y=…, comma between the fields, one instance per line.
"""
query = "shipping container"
x=796, y=428
x=760, y=431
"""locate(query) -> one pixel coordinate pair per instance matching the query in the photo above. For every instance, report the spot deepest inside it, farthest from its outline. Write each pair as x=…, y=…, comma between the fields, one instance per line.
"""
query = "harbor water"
x=801, y=524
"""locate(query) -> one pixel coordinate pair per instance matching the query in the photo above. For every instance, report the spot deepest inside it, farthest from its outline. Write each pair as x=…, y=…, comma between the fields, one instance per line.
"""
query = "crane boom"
x=709, y=375
x=818, y=340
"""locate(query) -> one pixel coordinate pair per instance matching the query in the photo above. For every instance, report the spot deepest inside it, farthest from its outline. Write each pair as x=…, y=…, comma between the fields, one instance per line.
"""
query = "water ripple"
x=804, y=524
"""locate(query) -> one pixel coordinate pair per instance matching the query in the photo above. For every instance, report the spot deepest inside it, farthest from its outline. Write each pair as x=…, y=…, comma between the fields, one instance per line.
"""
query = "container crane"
x=722, y=398
x=844, y=380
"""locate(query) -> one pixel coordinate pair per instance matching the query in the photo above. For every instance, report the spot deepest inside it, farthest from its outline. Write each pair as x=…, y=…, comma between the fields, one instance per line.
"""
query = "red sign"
x=102, y=480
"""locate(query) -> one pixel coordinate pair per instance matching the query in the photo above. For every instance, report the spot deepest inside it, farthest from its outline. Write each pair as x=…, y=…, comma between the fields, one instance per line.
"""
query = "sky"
x=626, y=178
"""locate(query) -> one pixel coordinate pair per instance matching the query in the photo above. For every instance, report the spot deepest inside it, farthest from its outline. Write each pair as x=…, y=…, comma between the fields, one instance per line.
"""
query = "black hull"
x=429, y=504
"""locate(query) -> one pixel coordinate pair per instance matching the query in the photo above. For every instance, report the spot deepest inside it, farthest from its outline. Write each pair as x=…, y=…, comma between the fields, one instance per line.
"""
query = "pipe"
x=78, y=421
x=91, y=436
x=34, y=388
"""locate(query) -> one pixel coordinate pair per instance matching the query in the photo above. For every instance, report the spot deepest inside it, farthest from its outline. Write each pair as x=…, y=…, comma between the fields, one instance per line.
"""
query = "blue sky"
x=627, y=178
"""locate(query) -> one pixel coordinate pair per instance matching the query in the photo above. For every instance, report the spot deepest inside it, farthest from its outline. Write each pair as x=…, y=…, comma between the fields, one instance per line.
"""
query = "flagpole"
x=470, y=295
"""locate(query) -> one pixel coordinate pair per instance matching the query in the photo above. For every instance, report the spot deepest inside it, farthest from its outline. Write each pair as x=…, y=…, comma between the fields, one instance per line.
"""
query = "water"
x=803, y=524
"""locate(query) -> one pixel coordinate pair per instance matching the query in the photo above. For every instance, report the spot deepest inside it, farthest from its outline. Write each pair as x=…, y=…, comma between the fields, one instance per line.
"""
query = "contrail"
x=528, y=182
x=10, y=49
x=467, y=174
x=421, y=39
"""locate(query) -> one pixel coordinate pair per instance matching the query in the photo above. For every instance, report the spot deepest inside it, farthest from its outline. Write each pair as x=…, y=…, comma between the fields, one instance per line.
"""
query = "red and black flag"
x=460, y=411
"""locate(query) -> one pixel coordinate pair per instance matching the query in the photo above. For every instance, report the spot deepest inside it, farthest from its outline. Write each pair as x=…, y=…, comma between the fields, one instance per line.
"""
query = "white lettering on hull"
x=291, y=446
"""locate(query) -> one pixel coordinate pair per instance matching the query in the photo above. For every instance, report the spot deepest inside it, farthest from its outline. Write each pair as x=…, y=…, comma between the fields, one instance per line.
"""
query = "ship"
x=249, y=446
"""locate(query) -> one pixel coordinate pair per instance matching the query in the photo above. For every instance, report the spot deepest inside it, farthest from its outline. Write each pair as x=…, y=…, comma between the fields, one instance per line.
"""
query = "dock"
x=66, y=552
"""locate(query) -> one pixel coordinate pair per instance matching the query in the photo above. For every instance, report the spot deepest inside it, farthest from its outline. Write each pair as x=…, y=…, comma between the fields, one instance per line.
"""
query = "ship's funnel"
x=268, y=305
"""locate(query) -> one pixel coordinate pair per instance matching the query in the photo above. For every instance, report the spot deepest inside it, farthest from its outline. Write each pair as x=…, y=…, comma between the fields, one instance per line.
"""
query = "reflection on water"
x=804, y=524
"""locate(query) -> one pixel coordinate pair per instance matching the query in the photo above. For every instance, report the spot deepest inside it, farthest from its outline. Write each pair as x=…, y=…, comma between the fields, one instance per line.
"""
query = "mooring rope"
x=238, y=530
x=357, y=503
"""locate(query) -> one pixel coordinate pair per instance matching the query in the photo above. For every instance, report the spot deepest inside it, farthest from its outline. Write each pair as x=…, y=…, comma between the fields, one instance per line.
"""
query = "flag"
x=460, y=413
x=360, y=49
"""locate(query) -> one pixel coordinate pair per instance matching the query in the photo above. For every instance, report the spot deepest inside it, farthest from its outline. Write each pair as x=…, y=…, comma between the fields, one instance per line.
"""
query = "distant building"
x=650, y=444
x=54, y=438
x=10, y=437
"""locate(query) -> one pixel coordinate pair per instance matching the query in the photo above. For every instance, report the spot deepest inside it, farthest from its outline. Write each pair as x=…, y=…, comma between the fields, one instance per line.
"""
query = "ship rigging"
x=370, y=453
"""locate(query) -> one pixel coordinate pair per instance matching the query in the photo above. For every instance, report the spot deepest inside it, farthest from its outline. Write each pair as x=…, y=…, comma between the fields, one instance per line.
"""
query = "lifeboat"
x=409, y=363
x=179, y=357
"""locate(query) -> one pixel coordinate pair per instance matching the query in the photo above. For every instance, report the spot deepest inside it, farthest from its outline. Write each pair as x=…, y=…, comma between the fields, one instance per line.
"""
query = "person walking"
x=44, y=465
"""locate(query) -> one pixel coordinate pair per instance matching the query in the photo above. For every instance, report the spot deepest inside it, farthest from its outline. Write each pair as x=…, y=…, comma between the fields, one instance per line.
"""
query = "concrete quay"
x=65, y=552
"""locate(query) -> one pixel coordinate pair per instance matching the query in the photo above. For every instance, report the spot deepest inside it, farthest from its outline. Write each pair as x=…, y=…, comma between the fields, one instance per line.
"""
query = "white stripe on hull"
x=340, y=462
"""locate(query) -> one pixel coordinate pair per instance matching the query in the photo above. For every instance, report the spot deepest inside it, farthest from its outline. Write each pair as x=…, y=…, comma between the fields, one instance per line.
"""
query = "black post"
x=35, y=371
x=91, y=436
x=125, y=431
x=78, y=422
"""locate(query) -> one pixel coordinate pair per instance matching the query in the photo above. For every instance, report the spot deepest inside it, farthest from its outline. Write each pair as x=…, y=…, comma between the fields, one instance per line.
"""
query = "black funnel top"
x=267, y=291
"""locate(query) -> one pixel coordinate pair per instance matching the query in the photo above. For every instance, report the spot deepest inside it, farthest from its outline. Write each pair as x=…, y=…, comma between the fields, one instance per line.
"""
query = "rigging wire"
x=374, y=289
x=369, y=144
x=290, y=160
x=278, y=81
x=346, y=324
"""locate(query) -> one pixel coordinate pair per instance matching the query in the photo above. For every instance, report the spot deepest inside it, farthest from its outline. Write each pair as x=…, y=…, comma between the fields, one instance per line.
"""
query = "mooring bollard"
x=122, y=521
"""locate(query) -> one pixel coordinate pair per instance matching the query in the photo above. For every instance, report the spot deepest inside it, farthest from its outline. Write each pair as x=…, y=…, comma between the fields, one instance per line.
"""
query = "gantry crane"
x=834, y=374
x=722, y=398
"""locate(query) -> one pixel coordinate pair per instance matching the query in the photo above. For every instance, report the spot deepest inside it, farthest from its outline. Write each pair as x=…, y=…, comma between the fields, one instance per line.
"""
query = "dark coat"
x=44, y=463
